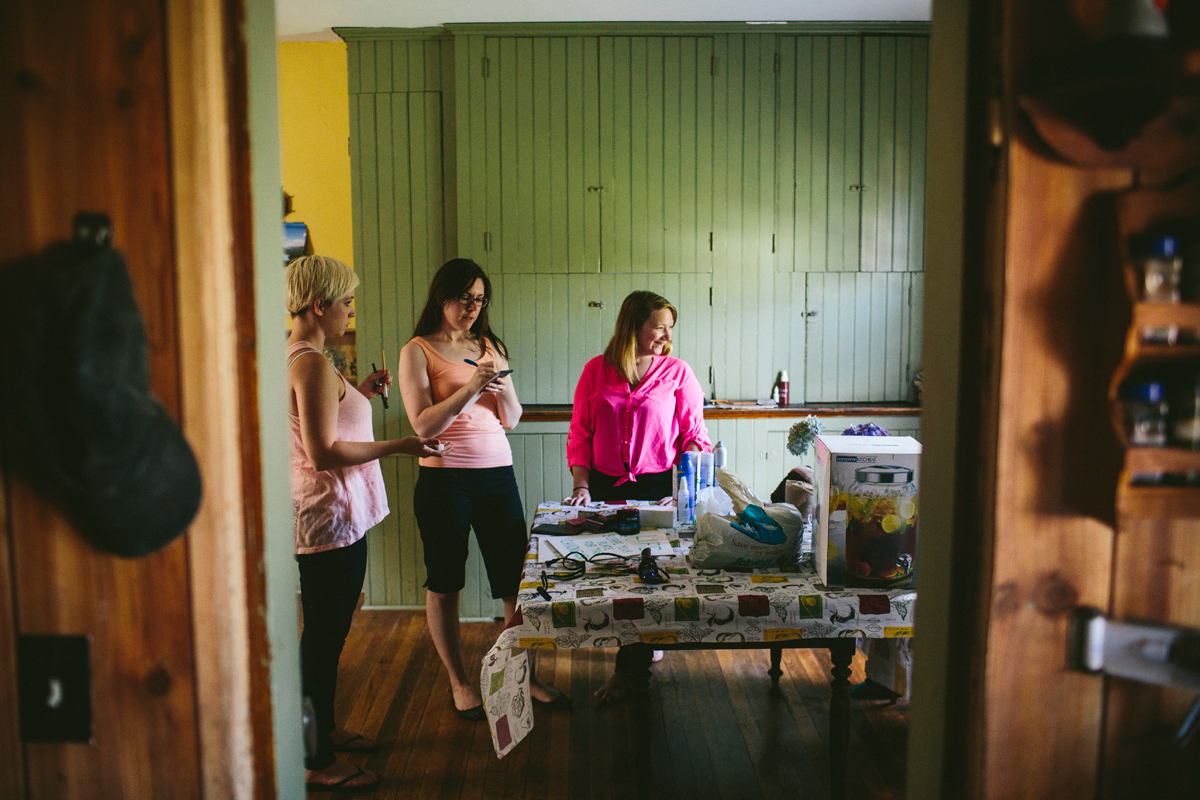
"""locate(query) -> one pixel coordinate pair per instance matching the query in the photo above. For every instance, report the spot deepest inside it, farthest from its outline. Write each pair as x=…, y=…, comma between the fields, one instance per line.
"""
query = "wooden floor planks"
x=717, y=729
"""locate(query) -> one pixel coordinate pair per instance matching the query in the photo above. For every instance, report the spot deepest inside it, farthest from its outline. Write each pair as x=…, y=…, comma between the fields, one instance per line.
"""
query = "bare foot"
x=466, y=696
x=620, y=686
x=542, y=693
x=345, y=740
x=342, y=775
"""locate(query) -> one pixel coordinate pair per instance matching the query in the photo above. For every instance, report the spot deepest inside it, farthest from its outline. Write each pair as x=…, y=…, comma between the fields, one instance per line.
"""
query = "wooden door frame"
x=214, y=252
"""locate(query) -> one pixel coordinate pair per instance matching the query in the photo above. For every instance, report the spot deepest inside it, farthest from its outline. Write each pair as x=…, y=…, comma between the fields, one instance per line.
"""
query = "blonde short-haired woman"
x=337, y=494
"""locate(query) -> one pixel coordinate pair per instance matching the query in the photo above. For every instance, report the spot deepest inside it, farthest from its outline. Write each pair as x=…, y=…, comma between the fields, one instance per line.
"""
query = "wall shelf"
x=1140, y=212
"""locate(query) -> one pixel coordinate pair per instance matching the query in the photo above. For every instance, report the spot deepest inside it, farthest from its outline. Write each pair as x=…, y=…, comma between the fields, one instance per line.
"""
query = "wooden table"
x=699, y=609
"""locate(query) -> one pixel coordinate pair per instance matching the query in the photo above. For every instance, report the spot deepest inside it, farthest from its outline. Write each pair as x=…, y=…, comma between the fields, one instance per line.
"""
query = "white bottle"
x=683, y=505
x=706, y=472
x=719, y=457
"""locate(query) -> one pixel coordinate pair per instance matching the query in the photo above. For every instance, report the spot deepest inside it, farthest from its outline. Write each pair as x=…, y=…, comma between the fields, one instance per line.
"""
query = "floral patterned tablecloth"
x=730, y=605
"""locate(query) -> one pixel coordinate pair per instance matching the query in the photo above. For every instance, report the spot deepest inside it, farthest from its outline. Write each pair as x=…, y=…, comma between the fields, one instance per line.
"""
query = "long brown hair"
x=456, y=278
x=622, y=347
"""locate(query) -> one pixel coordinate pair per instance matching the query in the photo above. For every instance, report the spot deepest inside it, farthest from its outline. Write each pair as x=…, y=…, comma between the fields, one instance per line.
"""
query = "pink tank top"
x=479, y=438
x=335, y=507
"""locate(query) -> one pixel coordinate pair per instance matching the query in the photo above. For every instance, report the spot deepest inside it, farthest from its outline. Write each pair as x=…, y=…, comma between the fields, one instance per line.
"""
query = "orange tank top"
x=478, y=437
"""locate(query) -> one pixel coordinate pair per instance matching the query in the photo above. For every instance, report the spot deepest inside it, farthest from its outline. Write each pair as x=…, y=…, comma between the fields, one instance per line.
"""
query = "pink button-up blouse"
x=629, y=432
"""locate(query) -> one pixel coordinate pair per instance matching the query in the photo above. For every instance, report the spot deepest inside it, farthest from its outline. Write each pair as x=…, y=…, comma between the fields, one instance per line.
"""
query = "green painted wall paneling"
x=404, y=184
x=779, y=174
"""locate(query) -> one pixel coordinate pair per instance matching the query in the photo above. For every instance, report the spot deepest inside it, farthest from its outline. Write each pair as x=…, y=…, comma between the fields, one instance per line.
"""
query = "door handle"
x=1165, y=655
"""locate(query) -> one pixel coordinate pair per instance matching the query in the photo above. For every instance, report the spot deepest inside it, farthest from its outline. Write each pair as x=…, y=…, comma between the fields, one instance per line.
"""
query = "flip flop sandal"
x=341, y=786
x=349, y=746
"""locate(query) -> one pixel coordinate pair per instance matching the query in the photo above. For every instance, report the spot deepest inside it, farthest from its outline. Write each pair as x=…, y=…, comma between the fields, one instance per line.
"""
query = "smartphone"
x=500, y=374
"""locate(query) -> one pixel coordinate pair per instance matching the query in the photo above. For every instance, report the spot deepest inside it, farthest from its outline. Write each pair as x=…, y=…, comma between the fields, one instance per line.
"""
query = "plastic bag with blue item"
x=755, y=535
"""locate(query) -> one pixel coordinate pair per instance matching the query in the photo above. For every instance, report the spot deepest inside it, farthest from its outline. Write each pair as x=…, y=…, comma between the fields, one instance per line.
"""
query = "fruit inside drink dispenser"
x=881, y=525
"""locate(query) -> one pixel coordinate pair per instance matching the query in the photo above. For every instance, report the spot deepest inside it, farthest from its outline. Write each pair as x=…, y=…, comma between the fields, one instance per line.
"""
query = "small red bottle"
x=783, y=388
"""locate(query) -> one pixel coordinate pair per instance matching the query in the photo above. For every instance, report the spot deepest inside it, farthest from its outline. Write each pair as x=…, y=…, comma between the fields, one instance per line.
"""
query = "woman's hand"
x=374, y=383
x=580, y=495
x=423, y=448
x=481, y=382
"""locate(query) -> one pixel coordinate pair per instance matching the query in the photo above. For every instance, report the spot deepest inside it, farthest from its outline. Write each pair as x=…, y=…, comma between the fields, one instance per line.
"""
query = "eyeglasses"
x=467, y=300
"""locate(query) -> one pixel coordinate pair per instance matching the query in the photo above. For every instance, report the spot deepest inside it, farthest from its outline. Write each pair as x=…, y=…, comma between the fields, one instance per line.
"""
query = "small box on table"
x=866, y=510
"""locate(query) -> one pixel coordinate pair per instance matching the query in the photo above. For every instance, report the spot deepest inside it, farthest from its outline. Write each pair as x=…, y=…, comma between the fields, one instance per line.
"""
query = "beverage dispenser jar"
x=881, y=526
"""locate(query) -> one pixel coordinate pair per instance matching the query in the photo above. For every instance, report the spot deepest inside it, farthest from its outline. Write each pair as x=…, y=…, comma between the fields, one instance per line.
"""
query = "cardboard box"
x=876, y=517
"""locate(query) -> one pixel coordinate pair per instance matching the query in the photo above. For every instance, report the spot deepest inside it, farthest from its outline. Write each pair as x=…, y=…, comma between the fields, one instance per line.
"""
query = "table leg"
x=842, y=653
x=775, y=672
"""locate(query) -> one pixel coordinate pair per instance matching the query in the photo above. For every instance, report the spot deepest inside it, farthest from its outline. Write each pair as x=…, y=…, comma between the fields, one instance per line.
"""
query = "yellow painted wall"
x=314, y=132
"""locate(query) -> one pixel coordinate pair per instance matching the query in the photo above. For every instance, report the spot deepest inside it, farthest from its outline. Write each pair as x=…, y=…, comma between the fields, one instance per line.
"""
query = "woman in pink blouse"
x=636, y=411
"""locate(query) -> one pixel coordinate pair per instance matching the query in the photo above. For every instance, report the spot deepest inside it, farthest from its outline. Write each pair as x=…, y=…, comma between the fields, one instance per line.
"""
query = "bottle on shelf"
x=784, y=387
x=720, y=457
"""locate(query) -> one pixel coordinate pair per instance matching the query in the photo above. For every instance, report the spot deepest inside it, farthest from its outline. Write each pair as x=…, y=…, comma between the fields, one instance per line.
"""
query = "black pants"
x=448, y=503
x=330, y=583
x=632, y=659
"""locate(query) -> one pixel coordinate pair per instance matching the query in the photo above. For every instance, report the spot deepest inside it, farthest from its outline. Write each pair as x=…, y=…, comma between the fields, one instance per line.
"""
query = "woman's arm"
x=316, y=388
x=429, y=418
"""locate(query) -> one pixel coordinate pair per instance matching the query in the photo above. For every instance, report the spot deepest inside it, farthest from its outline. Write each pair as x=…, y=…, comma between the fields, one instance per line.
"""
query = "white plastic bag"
x=713, y=500
x=729, y=540
x=737, y=490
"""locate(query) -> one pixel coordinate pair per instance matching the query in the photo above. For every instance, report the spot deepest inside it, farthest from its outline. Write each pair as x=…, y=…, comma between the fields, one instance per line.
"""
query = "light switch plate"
x=54, y=687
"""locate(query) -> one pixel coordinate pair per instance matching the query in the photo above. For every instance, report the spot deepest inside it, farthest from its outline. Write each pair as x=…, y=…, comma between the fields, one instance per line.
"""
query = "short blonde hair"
x=622, y=347
x=313, y=278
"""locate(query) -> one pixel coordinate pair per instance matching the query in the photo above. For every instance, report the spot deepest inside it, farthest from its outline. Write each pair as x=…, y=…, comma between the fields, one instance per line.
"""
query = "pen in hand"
x=378, y=384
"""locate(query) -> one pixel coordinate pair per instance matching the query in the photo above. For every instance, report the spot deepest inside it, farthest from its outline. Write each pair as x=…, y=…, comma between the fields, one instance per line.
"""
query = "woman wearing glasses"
x=454, y=389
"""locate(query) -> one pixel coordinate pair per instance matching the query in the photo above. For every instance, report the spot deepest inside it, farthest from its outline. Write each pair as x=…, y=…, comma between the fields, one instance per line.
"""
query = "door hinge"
x=710, y=375
x=486, y=68
x=710, y=240
x=710, y=301
x=487, y=242
x=772, y=243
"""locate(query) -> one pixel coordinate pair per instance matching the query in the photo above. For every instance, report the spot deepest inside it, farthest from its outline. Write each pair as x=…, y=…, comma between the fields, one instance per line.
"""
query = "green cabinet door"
x=536, y=127
x=656, y=141
x=850, y=194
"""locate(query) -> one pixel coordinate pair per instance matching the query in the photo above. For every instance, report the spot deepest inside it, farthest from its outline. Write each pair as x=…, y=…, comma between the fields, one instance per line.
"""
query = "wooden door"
x=140, y=112
x=1035, y=458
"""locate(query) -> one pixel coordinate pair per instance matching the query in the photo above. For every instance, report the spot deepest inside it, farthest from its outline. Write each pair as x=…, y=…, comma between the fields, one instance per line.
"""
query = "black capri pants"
x=448, y=502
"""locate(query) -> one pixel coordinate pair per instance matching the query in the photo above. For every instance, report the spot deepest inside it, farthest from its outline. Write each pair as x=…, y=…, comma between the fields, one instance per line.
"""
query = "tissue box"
x=866, y=503
x=656, y=516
